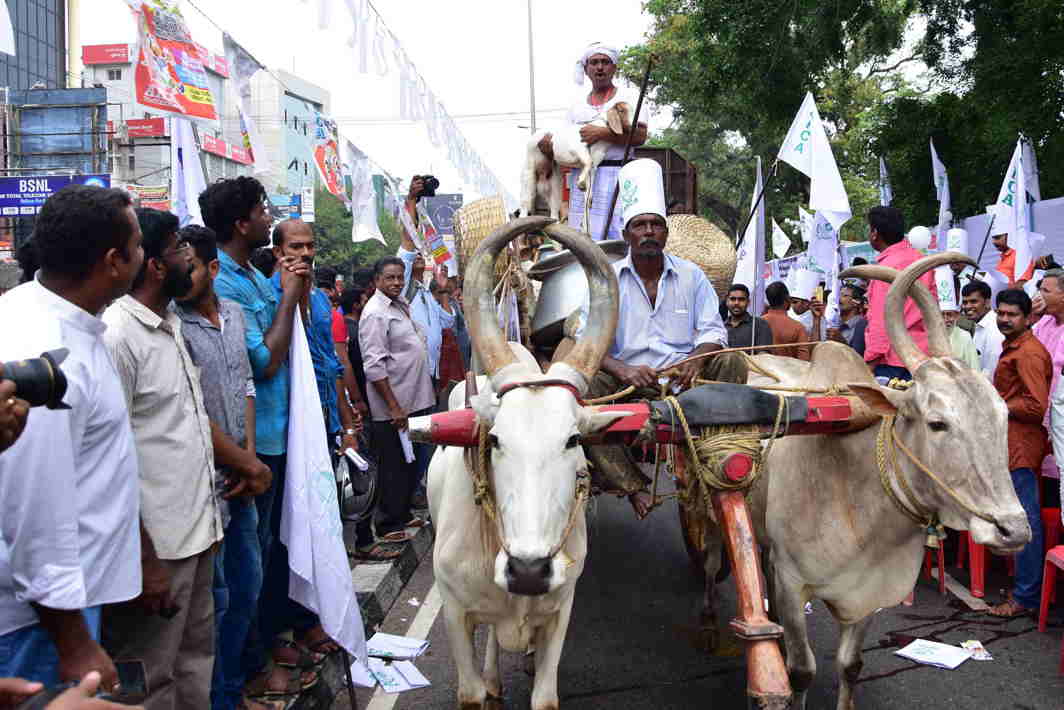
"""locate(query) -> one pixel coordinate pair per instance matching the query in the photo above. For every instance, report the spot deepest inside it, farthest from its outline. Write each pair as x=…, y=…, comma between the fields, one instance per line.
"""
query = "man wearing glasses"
x=170, y=626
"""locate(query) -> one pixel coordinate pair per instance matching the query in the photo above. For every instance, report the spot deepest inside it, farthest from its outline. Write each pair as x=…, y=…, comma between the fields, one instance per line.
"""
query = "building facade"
x=40, y=46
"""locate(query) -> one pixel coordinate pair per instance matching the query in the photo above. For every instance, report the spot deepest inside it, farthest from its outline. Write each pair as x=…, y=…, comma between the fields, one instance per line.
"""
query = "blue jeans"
x=30, y=653
x=254, y=655
x=892, y=372
x=1027, y=588
x=237, y=583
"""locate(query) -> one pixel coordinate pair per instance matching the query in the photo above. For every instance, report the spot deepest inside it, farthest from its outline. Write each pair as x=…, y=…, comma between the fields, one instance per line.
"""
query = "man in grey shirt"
x=214, y=334
x=744, y=330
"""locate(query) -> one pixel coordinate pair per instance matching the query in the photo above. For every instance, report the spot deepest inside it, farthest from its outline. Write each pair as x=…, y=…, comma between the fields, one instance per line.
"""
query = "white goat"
x=543, y=178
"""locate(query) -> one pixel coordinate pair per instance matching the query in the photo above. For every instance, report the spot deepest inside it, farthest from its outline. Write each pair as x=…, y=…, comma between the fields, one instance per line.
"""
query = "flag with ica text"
x=1011, y=215
x=806, y=148
x=781, y=243
x=940, y=179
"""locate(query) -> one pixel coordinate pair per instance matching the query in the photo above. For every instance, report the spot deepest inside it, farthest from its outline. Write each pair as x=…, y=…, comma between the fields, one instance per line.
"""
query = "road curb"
x=377, y=587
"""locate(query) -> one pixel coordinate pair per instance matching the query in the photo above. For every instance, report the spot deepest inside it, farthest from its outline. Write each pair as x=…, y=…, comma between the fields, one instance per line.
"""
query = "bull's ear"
x=617, y=117
x=881, y=400
x=593, y=421
x=486, y=405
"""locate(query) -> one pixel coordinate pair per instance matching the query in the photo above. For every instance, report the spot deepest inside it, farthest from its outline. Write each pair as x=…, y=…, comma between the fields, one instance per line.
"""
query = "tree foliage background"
x=332, y=230
x=887, y=75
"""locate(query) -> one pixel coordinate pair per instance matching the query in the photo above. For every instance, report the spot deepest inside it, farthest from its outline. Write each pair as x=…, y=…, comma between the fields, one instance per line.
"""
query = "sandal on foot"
x=1009, y=609
x=416, y=522
x=304, y=659
x=377, y=552
x=396, y=536
x=318, y=647
x=295, y=683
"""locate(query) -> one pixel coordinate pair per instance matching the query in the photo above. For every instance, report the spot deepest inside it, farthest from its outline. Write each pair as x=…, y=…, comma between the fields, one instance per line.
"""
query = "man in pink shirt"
x=886, y=234
x=1050, y=328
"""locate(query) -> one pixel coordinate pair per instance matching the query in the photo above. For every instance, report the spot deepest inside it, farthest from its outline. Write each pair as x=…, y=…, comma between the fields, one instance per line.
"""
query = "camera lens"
x=39, y=381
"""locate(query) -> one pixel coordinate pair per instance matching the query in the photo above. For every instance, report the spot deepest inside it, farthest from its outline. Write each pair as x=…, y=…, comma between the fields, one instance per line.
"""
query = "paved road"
x=630, y=644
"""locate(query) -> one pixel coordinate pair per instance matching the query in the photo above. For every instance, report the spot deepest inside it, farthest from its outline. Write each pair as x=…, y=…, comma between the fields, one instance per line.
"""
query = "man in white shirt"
x=976, y=305
x=69, y=493
x=170, y=628
x=668, y=311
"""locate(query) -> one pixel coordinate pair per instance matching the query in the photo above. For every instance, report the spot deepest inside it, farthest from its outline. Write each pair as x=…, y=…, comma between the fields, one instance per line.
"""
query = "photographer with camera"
x=69, y=487
x=13, y=413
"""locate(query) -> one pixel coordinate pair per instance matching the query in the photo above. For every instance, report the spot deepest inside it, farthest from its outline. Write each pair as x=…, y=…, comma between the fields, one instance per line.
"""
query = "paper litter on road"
x=397, y=677
x=979, y=652
x=413, y=601
x=361, y=676
x=395, y=647
x=932, y=653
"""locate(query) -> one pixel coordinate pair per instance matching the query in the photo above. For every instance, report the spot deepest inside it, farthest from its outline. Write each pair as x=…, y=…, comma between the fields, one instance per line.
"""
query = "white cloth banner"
x=886, y=193
x=7, y=30
x=1030, y=171
x=807, y=224
x=320, y=576
x=750, y=261
x=358, y=174
x=781, y=243
x=1012, y=213
x=824, y=257
x=940, y=179
x=807, y=149
x=242, y=66
x=186, y=173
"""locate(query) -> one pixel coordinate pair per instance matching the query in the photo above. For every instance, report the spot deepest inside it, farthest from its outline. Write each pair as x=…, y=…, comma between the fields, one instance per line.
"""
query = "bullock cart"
x=722, y=430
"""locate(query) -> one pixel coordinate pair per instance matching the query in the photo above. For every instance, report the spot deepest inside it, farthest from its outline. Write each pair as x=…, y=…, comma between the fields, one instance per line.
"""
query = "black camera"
x=39, y=381
x=431, y=184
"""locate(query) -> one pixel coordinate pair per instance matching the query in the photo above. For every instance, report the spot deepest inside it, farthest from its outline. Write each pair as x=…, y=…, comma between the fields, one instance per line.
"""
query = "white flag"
x=7, y=31
x=750, y=260
x=940, y=179
x=242, y=67
x=1012, y=215
x=362, y=200
x=186, y=172
x=320, y=576
x=807, y=222
x=1030, y=171
x=781, y=243
x=886, y=194
x=807, y=149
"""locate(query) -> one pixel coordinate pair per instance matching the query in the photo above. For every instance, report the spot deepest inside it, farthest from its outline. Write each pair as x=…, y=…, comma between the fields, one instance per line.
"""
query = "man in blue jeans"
x=214, y=334
x=1022, y=378
x=235, y=209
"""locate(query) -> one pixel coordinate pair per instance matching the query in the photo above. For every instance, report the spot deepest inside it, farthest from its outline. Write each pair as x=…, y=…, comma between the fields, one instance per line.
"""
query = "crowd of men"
x=141, y=521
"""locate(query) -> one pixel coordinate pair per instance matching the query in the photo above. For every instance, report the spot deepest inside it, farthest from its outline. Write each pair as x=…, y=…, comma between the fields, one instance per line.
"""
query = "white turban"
x=592, y=49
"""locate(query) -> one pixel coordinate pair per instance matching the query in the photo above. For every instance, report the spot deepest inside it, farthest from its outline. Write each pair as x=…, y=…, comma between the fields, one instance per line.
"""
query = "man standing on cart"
x=599, y=63
x=668, y=311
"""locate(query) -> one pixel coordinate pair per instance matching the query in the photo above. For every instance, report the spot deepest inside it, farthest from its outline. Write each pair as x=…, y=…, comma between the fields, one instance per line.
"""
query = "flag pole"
x=627, y=151
x=760, y=196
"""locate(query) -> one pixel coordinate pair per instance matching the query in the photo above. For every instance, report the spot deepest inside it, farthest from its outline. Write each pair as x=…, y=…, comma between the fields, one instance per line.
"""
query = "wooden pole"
x=627, y=151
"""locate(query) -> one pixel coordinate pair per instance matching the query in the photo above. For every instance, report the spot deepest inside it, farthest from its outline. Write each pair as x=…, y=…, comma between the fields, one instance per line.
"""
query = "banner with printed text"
x=170, y=75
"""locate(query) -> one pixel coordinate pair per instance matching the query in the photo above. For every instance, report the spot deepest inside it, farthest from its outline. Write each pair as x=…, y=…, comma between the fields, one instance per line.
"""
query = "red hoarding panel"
x=146, y=127
x=106, y=54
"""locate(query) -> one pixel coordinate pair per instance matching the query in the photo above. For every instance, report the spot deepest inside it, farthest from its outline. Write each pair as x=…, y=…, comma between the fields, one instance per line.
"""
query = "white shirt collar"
x=64, y=309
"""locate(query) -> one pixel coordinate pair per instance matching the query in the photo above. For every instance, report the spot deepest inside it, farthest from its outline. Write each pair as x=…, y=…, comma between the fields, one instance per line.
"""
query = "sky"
x=473, y=54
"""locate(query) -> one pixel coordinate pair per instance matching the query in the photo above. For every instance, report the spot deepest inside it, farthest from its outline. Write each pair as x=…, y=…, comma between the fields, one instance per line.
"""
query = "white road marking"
x=419, y=628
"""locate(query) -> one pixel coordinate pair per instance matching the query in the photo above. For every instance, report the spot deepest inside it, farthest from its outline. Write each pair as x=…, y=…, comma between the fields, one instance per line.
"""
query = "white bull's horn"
x=479, y=289
x=586, y=354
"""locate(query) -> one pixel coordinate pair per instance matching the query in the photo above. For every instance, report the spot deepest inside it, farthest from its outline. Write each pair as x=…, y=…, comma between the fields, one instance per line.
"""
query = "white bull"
x=832, y=531
x=515, y=569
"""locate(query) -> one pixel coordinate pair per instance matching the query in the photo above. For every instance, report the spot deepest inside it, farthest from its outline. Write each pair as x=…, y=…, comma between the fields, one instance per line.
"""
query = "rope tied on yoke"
x=709, y=448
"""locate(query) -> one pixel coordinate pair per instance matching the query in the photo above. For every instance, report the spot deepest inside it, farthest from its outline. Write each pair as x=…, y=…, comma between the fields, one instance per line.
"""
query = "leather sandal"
x=1009, y=609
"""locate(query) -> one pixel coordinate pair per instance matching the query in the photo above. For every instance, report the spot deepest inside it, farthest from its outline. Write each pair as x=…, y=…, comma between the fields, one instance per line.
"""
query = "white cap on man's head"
x=642, y=189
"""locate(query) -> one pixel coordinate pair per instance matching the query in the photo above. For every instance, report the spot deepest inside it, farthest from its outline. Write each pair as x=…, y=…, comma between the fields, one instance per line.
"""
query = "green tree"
x=332, y=231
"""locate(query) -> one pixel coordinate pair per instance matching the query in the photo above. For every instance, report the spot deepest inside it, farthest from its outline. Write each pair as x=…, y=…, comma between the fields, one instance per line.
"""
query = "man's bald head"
x=295, y=238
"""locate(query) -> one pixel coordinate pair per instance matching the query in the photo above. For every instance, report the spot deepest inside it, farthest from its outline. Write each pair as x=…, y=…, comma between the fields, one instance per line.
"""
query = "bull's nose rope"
x=886, y=441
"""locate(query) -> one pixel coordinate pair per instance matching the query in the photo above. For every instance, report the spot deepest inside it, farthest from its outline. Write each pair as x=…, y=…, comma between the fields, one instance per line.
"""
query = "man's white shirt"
x=69, y=487
x=988, y=341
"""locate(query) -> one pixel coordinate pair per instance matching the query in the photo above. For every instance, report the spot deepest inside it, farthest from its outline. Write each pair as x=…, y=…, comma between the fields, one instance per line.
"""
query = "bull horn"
x=481, y=317
x=586, y=355
x=919, y=293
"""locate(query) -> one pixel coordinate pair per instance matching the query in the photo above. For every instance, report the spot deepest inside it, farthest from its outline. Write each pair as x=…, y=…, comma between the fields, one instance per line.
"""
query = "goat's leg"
x=555, y=202
x=848, y=661
x=587, y=200
x=471, y=688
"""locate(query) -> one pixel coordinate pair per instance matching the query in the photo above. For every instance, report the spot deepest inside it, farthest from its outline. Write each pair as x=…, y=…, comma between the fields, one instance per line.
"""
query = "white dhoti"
x=602, y=196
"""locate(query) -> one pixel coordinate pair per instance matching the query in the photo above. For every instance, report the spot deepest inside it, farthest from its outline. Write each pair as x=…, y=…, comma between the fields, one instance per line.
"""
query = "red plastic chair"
x=1051, y=529
x=1054, y=560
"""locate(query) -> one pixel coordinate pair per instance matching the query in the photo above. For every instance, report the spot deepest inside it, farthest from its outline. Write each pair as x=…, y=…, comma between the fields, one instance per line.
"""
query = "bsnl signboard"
x=24, y=196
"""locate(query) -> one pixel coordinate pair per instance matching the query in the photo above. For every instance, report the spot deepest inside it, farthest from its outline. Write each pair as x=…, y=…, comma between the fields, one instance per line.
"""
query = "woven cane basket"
x=699, y=241
x=473, y=223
